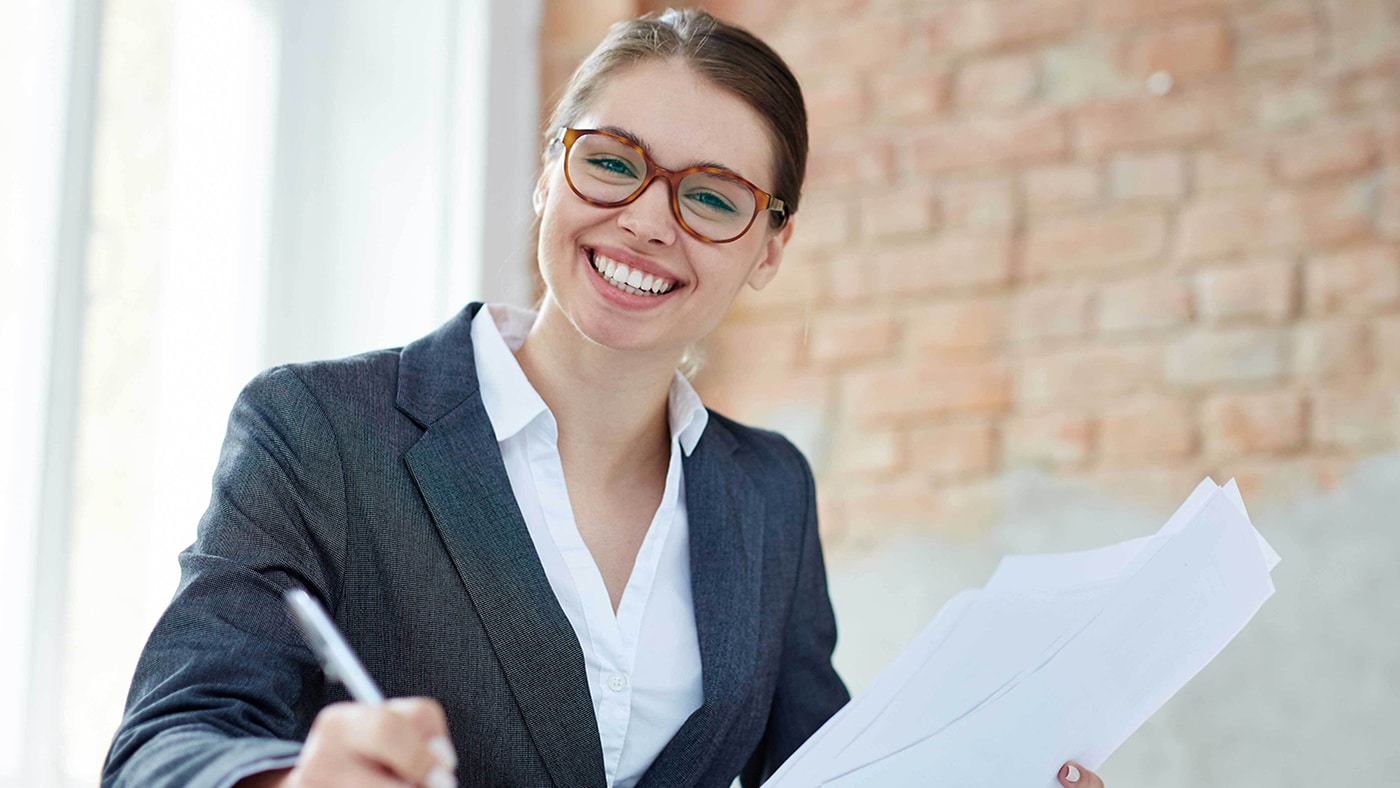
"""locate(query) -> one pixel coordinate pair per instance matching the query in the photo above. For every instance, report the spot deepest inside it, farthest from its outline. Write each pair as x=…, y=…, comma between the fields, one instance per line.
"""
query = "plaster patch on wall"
x=1306, y=694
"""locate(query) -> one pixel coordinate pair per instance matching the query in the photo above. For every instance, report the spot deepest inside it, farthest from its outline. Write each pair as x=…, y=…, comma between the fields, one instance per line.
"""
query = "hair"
x=730, y=57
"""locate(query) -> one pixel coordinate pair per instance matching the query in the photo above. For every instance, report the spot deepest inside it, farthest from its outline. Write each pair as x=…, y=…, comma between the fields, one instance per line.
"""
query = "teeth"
x=630, y=280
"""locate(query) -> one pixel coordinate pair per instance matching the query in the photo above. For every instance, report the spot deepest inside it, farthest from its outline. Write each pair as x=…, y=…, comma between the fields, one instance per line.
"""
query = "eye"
x=710, y=200
x=612, y=165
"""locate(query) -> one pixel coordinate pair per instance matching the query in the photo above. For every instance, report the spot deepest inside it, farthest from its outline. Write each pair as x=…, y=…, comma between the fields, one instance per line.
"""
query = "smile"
x=627, y=279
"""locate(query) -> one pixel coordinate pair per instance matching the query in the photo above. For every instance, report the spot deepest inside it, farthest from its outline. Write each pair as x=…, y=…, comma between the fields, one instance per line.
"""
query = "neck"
x=610, y=405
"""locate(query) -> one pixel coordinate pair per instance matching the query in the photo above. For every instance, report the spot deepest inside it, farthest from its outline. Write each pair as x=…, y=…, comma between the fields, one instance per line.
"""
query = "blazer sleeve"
x=809, y=691
x=225, y=686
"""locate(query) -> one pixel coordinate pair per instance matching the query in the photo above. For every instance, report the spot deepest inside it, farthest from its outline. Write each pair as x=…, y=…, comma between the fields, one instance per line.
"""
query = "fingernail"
x=440, y=778
x=1071, y=773
x=443, y=750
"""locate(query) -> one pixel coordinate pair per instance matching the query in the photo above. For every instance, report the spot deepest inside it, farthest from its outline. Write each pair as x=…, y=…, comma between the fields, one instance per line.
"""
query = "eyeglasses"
x=712, y=204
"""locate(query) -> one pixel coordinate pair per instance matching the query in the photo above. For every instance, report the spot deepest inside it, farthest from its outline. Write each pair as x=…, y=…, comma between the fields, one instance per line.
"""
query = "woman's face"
x=683, y=121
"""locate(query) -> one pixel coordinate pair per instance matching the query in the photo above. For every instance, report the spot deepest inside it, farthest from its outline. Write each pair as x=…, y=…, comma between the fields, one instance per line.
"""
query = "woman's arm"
x=225, y=681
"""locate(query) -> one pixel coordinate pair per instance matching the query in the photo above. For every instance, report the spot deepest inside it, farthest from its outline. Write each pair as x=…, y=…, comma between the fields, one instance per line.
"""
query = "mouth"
x=629, y=280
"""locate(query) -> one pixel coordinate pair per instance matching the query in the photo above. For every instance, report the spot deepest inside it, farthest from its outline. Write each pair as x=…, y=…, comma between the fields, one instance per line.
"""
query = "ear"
x=541, y=191
x=772, y=256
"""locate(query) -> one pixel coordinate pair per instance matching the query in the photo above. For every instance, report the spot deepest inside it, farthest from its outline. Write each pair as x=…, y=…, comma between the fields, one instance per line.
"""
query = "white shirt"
x=643, y=663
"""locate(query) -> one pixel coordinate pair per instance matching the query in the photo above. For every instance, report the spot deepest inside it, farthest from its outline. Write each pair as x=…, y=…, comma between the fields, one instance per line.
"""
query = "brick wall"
x=1125, y=241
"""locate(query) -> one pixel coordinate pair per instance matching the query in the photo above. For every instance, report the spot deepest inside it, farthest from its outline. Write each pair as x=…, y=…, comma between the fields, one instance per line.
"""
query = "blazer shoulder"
x=766, y=452
x=367, y=379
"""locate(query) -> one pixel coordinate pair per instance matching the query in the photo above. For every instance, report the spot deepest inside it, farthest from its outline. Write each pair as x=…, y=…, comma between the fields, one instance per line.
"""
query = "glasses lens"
x=604, y=169
x=715, y=206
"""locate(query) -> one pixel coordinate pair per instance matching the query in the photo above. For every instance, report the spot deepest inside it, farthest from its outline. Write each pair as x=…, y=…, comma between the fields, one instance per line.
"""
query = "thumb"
x=1072, y=775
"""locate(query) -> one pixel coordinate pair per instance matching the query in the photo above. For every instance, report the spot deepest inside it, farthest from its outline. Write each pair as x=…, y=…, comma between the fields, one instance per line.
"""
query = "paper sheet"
x=1059, y=657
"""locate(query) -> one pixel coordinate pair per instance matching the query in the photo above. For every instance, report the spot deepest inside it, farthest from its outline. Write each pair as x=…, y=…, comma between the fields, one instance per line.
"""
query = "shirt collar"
x=510, y=400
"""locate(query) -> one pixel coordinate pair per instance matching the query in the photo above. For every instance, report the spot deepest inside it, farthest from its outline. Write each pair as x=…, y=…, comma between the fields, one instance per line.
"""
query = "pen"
x=334, y=654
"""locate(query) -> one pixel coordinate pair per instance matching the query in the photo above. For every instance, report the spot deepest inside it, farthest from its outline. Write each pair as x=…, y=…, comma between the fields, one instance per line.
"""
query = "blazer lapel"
x=725, y=516
x=458, y=469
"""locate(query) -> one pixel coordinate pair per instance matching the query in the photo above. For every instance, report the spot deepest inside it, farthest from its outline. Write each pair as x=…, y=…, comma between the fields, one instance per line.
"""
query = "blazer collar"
x=469, y=495
x=726, y=553
x=464, y=483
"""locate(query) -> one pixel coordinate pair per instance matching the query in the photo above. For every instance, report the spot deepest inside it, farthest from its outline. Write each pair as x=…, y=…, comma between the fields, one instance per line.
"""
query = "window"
x=270, y=182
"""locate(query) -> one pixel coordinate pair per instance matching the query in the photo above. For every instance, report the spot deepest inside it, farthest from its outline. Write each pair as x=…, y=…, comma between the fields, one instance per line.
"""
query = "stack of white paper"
x=1059, y=657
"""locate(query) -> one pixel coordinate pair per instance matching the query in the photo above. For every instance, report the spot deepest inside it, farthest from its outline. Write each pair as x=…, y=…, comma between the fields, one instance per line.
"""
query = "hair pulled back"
x=729, y=56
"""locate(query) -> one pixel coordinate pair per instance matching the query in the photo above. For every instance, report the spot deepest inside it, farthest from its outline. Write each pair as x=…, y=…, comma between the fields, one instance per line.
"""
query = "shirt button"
x=617, y=682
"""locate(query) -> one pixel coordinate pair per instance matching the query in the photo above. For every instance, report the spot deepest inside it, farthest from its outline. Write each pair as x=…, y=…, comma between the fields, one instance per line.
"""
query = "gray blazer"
x=376, y=483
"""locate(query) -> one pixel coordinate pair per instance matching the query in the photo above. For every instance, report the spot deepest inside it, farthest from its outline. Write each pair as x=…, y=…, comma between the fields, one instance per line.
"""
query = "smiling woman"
x=565, y=569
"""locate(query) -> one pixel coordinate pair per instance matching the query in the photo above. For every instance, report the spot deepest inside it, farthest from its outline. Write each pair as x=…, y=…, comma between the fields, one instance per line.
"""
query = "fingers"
x=1072, y=775
x=400, y=743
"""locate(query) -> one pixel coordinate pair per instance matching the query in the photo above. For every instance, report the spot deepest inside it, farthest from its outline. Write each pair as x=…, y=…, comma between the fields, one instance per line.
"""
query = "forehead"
x=684, y=119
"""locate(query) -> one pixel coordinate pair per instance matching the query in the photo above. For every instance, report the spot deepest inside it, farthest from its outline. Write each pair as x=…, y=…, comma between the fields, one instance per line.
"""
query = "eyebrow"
x=639, y=142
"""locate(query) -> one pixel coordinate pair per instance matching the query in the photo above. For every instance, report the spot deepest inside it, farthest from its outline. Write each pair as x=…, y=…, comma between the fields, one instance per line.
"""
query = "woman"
x=528, y=522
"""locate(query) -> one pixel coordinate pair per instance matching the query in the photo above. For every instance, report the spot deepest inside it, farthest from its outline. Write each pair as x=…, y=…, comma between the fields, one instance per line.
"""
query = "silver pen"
x=334, y=654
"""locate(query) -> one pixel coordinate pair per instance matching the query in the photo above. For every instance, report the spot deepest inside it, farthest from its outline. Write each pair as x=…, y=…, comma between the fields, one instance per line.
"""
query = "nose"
x=649, y=218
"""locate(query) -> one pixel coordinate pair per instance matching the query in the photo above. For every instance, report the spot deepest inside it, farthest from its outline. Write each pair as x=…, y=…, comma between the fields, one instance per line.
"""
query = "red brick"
x=905, y=211
x=987, y=205
x=1263, y=289
x=862, y=43
x=1359, y=421
x=911, y=95
x=1279, y=32
x=1332, y=351
x=1281, y=220
x=1291, y=103
x=756, y=400
x=861, y=452
x=922, y=388
x=881, y=506
x=947, y=263
x=955, y=326
x=1035, y=136
x=1084, y=70
x=1061, y=186
x=1055, y=440
x=1370, y=85
x=1326, y=152
x=847, y=338
x=945, y=451
x=1356, y=281
x=1143, y=303
x=1387, y=348
x=1005, y=81
x=1360, y=30
x=1243, y=424
x=835, y=103
x=767, y=349
x=820, y=223
x=1151, y=429
x=1126, y=12
x=799, y=285
x=1236, y=356
x=1050, y=312
x=1075, y=378
x=1198, y=47
x=1229, y=171
x=848, y=162
x=1142, y=122
x=1095, y=241
x=991, y=24
x=1150, y=176
x=1388, y=211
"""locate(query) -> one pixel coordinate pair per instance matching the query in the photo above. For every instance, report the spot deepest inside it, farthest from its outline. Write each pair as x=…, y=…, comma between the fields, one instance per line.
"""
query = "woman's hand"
x=401, y=744
x=1072, y=775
